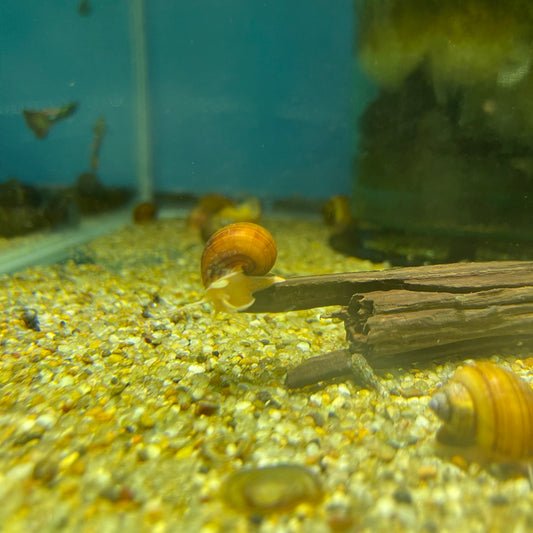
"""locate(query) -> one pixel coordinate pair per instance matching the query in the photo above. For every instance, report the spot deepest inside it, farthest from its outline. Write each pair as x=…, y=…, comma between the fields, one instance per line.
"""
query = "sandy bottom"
x=126, y=412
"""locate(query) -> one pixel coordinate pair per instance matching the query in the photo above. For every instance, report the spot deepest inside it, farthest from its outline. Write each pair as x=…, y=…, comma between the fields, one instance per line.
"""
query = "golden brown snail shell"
x=235, y=263
x=489, y=407
x=241, y=246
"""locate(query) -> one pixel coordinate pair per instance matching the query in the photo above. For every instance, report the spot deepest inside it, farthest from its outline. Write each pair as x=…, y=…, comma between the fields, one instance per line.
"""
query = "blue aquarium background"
x=243, y=97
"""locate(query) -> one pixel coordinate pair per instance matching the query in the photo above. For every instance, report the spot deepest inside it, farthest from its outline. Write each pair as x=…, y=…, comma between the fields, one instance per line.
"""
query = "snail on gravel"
x=276, y=488
x=235, y=263
x=489, y=408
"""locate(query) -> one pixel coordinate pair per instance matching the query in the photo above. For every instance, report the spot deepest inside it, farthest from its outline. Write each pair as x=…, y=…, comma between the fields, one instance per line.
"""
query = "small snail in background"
x=336, y=212
x=145, y=213
x=235, y=263
x=489, y=408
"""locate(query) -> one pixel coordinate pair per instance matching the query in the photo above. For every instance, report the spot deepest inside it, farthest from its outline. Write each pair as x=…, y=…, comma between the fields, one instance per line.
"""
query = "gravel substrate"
x=122, y=411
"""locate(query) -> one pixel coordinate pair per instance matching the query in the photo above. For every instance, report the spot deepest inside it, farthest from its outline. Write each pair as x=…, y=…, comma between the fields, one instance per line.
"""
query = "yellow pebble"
x=185, y=452
x=147, y=420
x=67, y=461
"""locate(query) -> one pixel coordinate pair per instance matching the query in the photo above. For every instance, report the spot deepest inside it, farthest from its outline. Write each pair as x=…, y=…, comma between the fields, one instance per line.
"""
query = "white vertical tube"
x=142, y=103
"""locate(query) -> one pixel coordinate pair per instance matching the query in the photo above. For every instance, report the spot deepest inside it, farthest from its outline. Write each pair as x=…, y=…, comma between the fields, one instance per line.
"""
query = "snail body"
x=487, y=407
x=235, y=263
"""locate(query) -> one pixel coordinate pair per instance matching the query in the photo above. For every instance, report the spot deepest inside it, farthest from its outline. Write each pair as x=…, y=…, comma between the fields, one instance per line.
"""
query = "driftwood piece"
x=328, y=366
x=306, y=292
x=336, y=364
x=423, y=326
x=416, y=314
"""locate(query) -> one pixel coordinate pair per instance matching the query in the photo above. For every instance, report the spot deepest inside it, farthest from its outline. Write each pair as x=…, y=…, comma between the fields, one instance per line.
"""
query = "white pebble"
x=195, y=344
x=152, y=451
x=269, y=350
x=26, y=425
x=45, y=376
x=316, y=399
x=339, y=403
x=66, y=381
x=236, y=371
x=46, y=421
x=422, y=422
x=100, y=478
x=196, y=369
x=275, y=415
x=304, y=346
x=244, y=405
x=520, y=488
x=343, y=389
x=231, y=449
x=385, y=508
x=312, y=449
x=20, y=472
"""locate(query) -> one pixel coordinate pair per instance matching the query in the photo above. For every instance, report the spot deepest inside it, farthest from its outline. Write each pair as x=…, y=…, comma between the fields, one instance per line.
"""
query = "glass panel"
x=445, y=153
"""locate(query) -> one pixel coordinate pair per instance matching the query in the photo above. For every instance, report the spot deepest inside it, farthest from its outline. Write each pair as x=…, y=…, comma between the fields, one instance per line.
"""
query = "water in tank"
x=266, y=266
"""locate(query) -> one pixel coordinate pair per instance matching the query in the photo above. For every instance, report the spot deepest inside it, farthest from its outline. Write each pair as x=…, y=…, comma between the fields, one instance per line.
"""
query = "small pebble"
x=149, y=452
x=30, y=319
x=196, y=369
x=46, y=470
x=499, y=499
x=426, y=472
x=206, y=408
x=304, y=346
x=146, y=420
x=402, y=495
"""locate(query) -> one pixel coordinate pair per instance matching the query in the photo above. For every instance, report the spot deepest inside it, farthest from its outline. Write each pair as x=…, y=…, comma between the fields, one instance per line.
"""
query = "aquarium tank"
x=266, y=266
x=107, y=103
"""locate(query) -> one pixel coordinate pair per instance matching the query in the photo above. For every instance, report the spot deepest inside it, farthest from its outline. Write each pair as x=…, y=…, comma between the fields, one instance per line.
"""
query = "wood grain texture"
x=306, y=292
x=416, y=314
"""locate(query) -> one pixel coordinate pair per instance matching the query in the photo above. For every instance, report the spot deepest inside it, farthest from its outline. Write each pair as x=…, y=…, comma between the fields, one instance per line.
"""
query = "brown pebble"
x=149, y=339
x=117, y=493
x=30, y=319
x=206, y=408
x=419, y=388
x=341, y=521
x=318, y=418
x=87, y=359
x=45, y=470
x=412, y=392
x=26, y=437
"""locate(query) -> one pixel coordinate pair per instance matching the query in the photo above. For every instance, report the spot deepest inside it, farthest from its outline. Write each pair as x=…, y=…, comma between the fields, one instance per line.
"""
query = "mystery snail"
x=489, y=408
x=267, y=489
x=235, y=263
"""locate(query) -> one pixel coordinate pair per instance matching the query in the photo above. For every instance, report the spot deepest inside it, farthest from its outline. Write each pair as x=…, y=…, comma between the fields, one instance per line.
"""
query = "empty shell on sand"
x=271, y=489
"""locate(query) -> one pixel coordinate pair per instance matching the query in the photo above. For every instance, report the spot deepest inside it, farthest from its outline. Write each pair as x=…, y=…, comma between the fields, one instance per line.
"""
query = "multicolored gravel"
x=123, y=410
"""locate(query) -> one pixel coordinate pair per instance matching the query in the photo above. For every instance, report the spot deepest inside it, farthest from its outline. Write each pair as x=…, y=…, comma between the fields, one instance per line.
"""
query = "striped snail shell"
x=242, y=246
x=235, y=262
x=488, y=407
